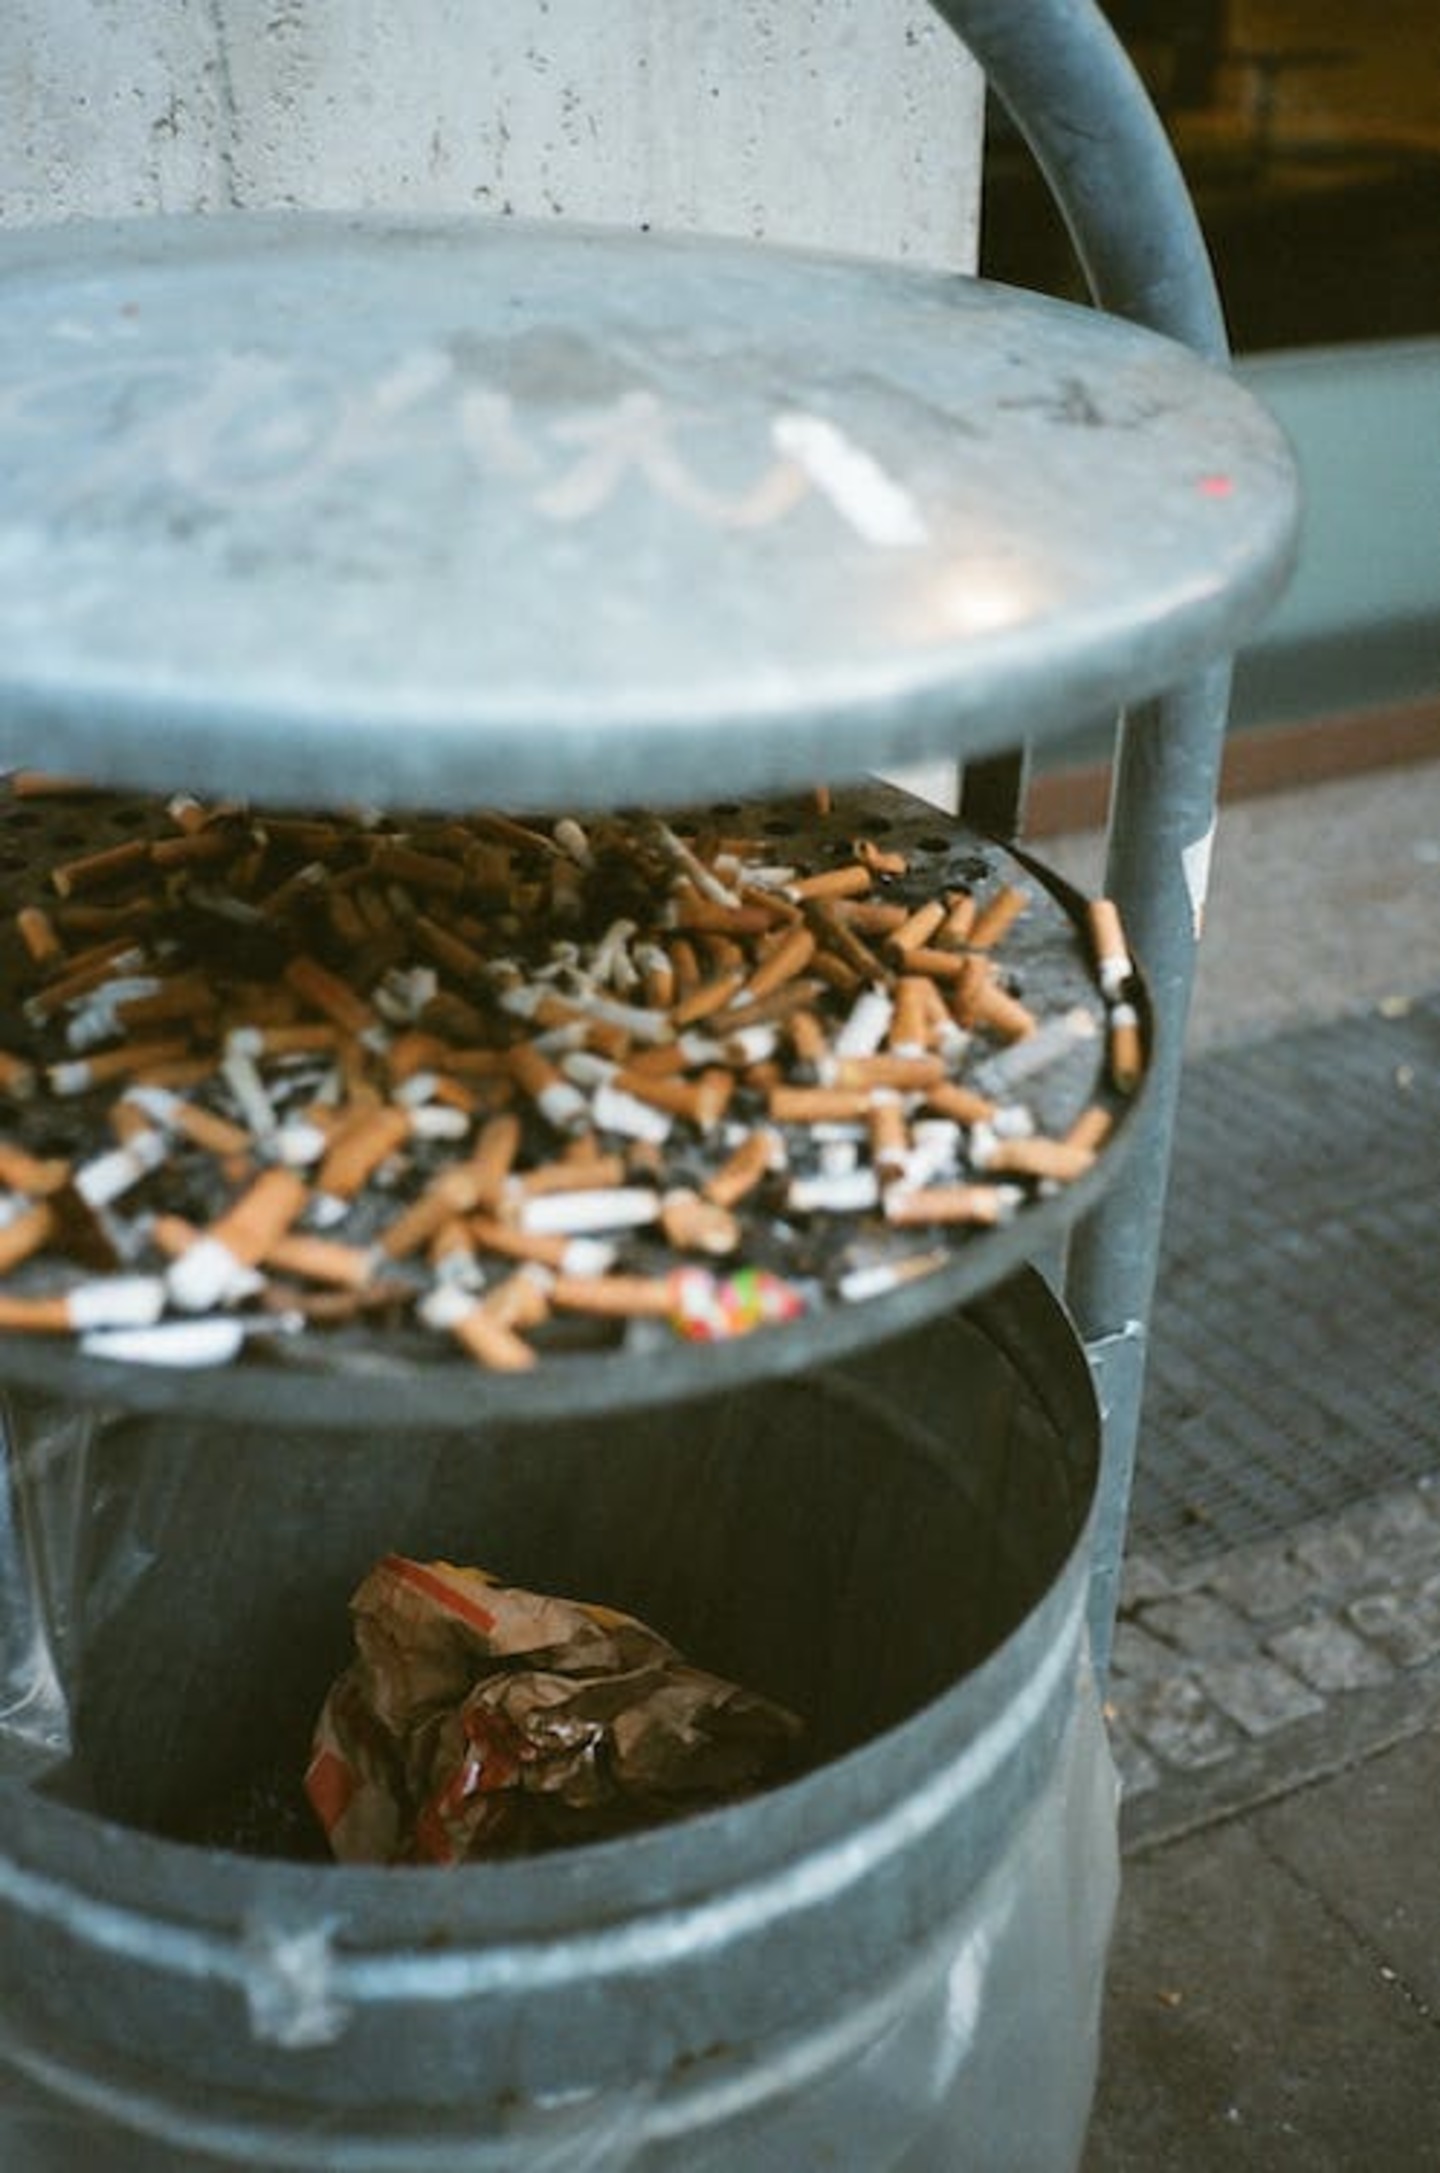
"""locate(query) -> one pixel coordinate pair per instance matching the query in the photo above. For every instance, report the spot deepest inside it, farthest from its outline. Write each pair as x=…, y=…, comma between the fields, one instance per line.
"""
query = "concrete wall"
x=849, y=123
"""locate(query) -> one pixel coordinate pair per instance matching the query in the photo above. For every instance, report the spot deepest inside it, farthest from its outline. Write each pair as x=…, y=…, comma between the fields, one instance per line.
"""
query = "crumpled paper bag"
x=480, y=1719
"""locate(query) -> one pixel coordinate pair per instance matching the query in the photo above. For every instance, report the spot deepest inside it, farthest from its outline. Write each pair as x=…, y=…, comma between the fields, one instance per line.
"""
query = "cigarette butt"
x=684, y=967
x=589, y=1173
x=1091, y=1128
x=321, y=1260
x=870, y=916
x=910, y=1074
x=791, y=955
x=448, y=950
x=522, y=1300
x=912, y=1024
x=702, y=916
x=1127, y=1058
x=809, y=1042
x=818, y=1105
x=889, y=1135
x=997, y=915
x=37, y=933
x=458, y=1189
x=552, y=1249
x=17, y=1078
x=589, y=1213
x=193, y=848
x=31, y=1174
x=31, y=1230
x=879, y=859
x=693, y=1224
x=937, y=964
x=48, y=785
x=960, y=916
x=614, y=1297
x=85, y=970
x=844, y=941
x=261, y=1216
x=487, y=1339
x=941, y=1204
x=184, y=996
x=725, y=955
x=558, y=1101
x=850, y=881
x=981, y=1001
x=118, y=1301
x=1059, y=1160
x=962, y=1104
x=216, y=1135
x=834, y=1192
x=424, y=871
x=1107, y=941
x=701, y=1101
x=93, y=870
x=359, y=1148
x=710, y=996
x=756, y=1155
x=916, y=929
x=328, y=993
x=69, y=1079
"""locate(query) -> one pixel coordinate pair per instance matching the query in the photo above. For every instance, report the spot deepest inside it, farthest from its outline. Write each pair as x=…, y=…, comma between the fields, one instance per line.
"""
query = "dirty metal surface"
x=1294, y=1367
x=483, y=511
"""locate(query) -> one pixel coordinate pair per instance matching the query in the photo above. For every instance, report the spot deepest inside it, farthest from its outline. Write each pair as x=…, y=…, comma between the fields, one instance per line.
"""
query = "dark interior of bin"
x=849, y=1542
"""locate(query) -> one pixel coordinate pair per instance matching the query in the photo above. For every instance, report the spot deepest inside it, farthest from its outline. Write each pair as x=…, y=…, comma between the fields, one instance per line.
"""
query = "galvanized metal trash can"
x=831, y=516
x=855, y=1970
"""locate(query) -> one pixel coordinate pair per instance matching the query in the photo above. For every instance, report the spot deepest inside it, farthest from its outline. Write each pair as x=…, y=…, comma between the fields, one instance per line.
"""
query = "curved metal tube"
x=1070, y=88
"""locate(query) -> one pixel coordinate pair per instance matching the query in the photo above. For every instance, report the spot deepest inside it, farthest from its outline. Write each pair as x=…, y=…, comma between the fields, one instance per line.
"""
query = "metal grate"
x=1295, y=1365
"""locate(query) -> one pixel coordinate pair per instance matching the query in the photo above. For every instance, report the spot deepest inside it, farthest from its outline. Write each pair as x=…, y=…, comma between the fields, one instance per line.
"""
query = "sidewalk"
x=1274, y=1993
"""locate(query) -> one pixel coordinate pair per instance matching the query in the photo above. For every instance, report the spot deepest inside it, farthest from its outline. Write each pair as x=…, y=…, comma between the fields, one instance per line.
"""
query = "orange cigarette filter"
x=614, y=1297
x=93, y=870
x=30, y=1173
x=1057, y=1159
x=911, y=1074
x=1127, y=1056
x=38, y=934
x=1091, y=1128
x=960, y=1103
x=545, y=1248
x=491, y=1342
x=320, y=1260
x=35, y=1316
x=916, y=929
x=710, y=996
x=851, y=881
x=960, y=917
x=819, y=1104
x=261, y=1216
x=361, y=1145
x=693, y=1224
x=590, y=1172
x=911, y=1023
x=21, y=1239
x=994, y=918
x=808, y=1039
x=17, y=1078
x=889, y=1135
x=789, y=958
x=742, y=1171
x=878, y=858
x=327, y=993
x=941, y=1204
x=702, y=1101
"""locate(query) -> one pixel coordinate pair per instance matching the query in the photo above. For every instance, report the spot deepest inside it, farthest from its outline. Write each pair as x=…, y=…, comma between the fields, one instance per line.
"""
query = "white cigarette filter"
x=212, y=1342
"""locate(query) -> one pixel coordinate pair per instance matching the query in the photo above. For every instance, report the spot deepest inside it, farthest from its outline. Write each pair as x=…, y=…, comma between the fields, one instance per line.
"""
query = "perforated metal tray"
x=363, y=1377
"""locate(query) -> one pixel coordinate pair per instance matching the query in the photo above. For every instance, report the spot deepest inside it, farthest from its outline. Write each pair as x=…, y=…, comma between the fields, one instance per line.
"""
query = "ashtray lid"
x=463, y=510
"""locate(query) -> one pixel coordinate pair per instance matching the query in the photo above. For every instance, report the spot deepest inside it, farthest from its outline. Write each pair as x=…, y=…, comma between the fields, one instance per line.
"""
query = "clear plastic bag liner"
x=981, y=2058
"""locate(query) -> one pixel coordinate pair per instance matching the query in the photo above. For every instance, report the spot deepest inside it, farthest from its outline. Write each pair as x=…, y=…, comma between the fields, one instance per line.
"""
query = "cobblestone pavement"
x=1238, y=1676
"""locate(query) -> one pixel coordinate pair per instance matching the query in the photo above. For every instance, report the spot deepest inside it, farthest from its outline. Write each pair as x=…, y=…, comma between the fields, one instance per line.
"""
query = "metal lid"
x=443, y=511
